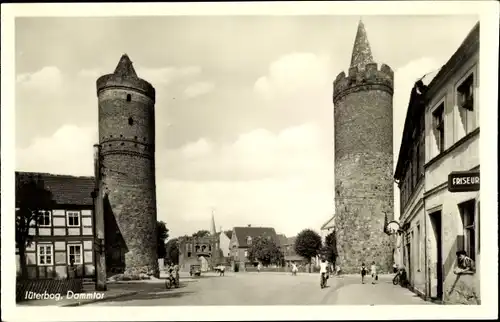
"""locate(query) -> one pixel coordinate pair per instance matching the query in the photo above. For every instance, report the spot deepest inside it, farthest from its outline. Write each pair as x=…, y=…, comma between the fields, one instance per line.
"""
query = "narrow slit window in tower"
x=129, y=97
x=130, y=121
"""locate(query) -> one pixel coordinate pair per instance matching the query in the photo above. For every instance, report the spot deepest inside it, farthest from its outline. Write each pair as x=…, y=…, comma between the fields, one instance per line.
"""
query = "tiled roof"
x=243, y=232
x=283, y=240
x=66, y=189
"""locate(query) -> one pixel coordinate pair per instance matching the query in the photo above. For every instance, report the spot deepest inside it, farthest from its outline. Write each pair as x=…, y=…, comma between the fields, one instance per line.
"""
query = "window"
x=478, y=226
x=249, y=240
x=44, y=219
x=467, y=213
x=465, y=102
x=421, y=155
x=73, y=218
x=419, y=246
x=189, y=254
x=246, y=253
x=130, y=121
x=209, y=248
x=75, y=253
x=45, y=256
x=438, y=116
x=129, y=97
x=417, y=162
x=465, y=93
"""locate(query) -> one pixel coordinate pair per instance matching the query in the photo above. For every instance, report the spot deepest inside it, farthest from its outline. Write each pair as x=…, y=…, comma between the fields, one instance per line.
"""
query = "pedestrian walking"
x=222, y=268
x=258, y=268
x=373, y=270
x=323, y=272
x=294, y=269
x=364, y=271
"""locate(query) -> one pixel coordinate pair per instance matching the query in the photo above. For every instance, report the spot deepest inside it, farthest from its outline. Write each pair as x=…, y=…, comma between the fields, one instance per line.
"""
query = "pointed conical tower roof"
x=213, y=231
x=361, y=51
x=125, y=67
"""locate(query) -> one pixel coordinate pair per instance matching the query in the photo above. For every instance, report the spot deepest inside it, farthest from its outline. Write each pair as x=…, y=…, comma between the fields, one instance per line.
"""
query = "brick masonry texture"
x=126, y=134
x=363, y=167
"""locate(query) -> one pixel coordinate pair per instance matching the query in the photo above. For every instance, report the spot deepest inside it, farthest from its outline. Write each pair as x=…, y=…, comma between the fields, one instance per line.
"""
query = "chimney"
x=249, y=225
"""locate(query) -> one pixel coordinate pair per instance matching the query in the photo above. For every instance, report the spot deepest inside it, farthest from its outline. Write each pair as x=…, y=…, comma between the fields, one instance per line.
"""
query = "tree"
x=330, y=247
x=162, y=236
x=172, y=251
x=33, y=200
x=308, y=244
x=265, y=250
x=201, y=233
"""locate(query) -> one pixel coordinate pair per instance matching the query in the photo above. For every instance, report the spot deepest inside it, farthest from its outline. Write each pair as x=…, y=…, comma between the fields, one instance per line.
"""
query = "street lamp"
x=393, y=227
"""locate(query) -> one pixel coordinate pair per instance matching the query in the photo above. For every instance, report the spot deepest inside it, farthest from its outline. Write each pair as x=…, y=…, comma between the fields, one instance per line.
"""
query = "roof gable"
x=243, y=232
x=66, y=189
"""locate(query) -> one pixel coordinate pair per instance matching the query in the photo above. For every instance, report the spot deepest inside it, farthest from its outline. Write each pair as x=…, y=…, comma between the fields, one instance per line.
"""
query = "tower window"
x=129, y=97
x=130, y=121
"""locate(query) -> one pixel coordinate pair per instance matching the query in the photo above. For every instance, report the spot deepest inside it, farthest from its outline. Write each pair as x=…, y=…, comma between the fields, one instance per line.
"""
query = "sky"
x=244, y=112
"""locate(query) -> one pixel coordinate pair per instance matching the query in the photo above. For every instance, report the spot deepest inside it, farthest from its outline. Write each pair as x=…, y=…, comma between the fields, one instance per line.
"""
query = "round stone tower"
x=127, y=139
x=363, y=159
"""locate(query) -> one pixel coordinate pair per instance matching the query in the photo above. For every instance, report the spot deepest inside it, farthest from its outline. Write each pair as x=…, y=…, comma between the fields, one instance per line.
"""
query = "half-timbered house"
x=63, y=234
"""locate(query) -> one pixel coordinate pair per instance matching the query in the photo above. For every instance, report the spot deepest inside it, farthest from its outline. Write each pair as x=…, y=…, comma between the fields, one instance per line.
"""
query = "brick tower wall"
x=127, y=138
x=363, y=166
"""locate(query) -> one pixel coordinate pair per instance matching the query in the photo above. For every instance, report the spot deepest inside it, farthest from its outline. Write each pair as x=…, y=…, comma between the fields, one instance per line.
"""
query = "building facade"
x=364, y=184
x=63, y=234
x=127, y=140
x=436, y=223
x=241, y=241
x=203, y=251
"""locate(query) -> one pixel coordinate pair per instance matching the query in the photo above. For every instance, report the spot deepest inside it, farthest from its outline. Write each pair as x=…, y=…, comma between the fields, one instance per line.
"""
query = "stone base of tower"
x=150, y=270
x=360, y=239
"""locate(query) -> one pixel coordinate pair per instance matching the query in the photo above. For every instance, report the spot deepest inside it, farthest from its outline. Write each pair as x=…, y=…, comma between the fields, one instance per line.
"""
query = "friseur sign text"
x=463, y=181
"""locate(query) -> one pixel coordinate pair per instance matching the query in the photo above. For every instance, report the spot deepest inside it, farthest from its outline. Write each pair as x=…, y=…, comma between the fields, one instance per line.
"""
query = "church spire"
x=212, y=226
x=125, y=68
x=361, y=52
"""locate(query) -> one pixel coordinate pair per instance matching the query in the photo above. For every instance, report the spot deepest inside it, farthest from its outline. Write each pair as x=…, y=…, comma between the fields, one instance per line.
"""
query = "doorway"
x=437, y=277
x=409, y=268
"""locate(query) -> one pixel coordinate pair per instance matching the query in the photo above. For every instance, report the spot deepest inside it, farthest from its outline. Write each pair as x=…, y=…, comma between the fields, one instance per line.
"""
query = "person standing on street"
x=373, y=270
x=364, y=271
x=258, y=268
x=294, y=268
x=323, y=270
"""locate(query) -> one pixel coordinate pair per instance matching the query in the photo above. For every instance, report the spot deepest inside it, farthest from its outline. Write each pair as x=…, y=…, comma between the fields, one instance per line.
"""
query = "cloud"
x=48, y=79
x=198, y=88
x=67, y=151
x=259, y=179
x=294, y=73
x=260, y=154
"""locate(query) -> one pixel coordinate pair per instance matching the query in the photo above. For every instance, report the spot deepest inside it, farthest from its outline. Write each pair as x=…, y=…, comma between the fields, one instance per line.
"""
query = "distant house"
x=224, y=242
x=241, y=240
x=288, y=247
x=327, y=228
x=64, y=233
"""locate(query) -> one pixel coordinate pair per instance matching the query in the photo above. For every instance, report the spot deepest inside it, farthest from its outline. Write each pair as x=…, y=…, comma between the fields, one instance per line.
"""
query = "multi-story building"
x=63, y=234
x=442, y=129
x=203, y=251
x=241, y=240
